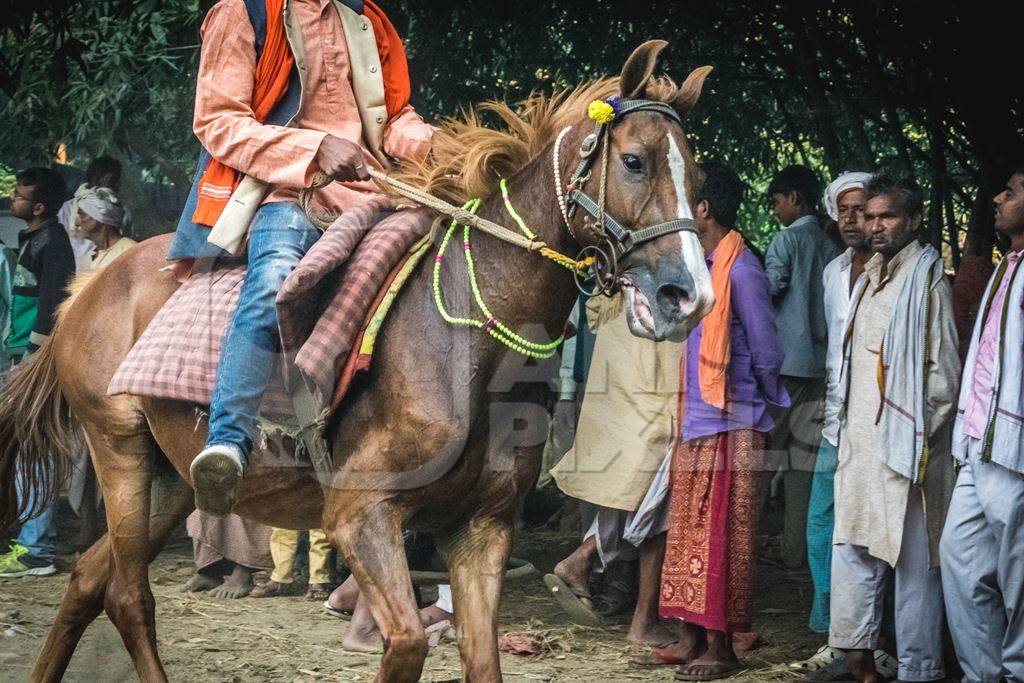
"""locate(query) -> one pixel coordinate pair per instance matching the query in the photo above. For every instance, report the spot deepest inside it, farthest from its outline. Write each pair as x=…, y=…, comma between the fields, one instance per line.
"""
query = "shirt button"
x=365, y=26
x=379, y=119
x=373, y=69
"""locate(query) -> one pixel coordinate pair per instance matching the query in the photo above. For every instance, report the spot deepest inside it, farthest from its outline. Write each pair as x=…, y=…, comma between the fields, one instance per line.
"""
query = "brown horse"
x=446, y=434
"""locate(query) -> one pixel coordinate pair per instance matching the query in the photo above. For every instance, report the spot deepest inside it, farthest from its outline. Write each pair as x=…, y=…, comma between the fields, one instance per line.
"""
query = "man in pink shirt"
x=338, y=115
x=982, y=548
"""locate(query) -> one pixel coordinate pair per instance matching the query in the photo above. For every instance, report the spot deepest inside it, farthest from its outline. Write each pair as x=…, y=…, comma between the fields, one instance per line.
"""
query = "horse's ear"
x=689, y=92
x=638, y=68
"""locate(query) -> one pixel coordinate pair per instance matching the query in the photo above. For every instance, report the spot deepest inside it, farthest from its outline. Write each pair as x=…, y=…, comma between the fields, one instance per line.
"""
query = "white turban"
x=101, y=204
x=850, y=180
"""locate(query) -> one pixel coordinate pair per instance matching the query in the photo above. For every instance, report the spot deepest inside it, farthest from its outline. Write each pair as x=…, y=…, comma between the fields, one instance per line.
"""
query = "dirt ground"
x=290, y=639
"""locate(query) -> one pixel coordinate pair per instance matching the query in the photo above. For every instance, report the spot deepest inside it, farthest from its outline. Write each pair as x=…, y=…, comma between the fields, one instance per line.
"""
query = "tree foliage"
x=836, y=84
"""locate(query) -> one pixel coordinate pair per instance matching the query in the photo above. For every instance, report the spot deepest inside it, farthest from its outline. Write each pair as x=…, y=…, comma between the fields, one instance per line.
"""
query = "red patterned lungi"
x=710, y=553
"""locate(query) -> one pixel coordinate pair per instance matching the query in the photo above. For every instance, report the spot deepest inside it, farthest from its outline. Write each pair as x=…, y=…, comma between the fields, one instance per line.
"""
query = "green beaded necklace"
x=491, y=325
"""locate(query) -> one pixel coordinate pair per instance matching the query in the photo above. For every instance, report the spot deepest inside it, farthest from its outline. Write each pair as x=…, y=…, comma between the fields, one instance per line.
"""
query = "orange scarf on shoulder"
x=273, y=71
x=715, y=341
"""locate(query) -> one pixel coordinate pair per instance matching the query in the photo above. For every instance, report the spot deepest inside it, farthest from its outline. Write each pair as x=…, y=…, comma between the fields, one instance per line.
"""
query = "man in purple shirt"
x=732, y=376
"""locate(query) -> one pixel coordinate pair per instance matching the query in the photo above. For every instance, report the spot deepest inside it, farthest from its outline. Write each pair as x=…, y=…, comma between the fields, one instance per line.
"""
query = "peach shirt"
x=279, y=155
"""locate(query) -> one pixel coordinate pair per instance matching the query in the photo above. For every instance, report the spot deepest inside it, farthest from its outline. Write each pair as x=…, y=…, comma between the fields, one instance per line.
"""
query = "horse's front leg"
x=476, y=555
x=368, y=532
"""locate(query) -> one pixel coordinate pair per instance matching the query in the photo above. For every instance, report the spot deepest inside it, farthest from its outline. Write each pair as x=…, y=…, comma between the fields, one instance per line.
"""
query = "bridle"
x=614, y=241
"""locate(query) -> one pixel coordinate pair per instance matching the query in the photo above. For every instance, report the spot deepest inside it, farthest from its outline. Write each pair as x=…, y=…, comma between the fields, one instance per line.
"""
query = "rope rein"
x=458, y=214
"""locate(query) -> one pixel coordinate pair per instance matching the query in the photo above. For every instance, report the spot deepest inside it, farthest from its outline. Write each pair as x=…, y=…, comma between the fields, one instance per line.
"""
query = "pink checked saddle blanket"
x=323, y=310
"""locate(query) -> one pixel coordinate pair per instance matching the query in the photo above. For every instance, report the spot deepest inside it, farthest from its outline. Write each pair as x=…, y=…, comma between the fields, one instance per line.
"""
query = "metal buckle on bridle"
x=589, y=143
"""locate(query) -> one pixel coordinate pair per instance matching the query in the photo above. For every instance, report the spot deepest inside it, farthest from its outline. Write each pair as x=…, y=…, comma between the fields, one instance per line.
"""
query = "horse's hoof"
x=216, y=473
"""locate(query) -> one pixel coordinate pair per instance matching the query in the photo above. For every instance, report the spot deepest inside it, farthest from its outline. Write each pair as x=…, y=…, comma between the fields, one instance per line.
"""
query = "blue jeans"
x=39, y=534
x=279, y=237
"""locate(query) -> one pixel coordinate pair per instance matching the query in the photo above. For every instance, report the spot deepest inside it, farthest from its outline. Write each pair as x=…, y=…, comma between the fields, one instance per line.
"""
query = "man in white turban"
x=101, y=219
x=850, y=180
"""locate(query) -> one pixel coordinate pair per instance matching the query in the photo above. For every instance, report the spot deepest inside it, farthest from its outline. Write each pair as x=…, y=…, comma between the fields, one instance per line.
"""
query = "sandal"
x=335, y=612
x=318, y=592
x=271, y=589
x=569, y=601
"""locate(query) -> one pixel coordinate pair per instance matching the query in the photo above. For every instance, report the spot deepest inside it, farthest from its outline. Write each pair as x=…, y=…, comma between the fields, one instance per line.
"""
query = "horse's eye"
x=632, y=163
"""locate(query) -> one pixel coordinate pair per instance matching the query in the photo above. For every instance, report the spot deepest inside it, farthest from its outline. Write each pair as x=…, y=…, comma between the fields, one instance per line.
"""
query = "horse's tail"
x=36, y=432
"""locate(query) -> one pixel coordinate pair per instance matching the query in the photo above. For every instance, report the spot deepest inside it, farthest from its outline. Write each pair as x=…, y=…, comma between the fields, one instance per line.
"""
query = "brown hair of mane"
x=468, y=159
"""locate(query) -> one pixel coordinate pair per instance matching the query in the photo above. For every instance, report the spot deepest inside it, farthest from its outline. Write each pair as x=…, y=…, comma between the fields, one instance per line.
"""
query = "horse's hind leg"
x=476, y=555
x=83, y=600
x=369, y=534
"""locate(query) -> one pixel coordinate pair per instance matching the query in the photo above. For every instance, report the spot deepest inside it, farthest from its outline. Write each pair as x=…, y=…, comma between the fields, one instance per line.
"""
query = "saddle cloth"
x=328, y=311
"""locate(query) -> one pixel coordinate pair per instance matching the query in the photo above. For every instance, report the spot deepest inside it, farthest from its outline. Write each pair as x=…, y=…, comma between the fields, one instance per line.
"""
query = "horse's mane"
x=467, y=158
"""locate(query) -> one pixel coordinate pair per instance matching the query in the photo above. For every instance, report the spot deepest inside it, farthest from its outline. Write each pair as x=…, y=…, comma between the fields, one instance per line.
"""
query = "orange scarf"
x=273, y=71
x=715, y=341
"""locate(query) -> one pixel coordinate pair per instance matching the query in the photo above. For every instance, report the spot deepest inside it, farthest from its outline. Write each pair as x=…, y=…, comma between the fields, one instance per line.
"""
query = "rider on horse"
x=285, y=88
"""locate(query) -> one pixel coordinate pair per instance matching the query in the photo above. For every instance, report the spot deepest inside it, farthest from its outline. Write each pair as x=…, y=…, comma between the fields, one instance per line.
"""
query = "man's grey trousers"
x=982, y=554
x=859, y=582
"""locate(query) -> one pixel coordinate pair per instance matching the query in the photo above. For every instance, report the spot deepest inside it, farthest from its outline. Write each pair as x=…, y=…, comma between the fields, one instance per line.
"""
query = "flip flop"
x=335, y=612
x=569, y=601
x=682, y=676
x=656, y=660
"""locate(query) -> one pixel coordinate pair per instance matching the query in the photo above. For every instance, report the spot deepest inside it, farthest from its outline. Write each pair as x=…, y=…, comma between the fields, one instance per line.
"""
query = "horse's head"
x=648, y=175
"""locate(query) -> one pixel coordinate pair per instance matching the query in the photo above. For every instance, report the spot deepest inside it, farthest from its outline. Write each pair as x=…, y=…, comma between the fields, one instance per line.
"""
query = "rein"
x=460, y=215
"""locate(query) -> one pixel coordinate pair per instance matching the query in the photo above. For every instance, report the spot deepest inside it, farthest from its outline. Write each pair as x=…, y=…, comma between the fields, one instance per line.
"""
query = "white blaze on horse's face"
x=667, y=306
x=693, y=253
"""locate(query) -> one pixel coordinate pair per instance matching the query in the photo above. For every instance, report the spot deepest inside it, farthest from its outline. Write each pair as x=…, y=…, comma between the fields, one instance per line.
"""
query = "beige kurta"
x=104, y=257
x=628, y=418
x=871, y=498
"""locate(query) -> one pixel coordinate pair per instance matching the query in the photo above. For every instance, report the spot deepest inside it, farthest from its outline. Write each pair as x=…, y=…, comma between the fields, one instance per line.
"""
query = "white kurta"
x=871, y=498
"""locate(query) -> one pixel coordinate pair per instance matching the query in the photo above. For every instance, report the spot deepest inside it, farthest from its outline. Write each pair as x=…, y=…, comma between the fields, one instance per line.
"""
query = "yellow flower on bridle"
x=601, y=112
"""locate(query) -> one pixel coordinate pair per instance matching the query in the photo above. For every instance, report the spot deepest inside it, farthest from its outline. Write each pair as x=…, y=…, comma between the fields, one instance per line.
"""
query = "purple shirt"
x=754, y=363
x=982, y=389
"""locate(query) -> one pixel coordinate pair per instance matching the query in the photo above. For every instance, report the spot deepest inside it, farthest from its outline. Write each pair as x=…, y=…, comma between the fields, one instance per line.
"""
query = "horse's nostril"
x=673, y=300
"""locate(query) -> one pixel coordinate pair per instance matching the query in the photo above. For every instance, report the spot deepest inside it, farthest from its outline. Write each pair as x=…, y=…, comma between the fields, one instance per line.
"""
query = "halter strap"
x=619, y=241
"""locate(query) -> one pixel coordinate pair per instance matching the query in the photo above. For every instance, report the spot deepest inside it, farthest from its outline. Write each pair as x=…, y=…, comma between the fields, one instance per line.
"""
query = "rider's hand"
x=342, y=160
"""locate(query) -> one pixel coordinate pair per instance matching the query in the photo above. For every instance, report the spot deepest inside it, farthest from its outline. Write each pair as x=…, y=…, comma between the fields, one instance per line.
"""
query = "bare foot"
x=744, y=641
x=707, y=667
x=433, y=614
x=237, y=584
x=690, y=643
x=652, y=635
x=575, y=571
x=718, y=661
x=344, y=597
x=200, y=582
x=362, y=634
x=862, y=664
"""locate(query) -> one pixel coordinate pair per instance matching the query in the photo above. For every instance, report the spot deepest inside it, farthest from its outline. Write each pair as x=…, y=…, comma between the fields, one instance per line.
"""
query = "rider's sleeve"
x=224, y=120
x=407, y=136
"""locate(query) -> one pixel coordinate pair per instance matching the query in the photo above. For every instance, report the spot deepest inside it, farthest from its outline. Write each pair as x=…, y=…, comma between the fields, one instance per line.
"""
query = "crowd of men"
x=834, y=373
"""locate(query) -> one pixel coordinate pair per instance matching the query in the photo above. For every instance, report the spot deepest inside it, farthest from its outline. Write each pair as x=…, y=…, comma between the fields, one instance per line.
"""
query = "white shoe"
x=216, y=473
x=819, y=660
